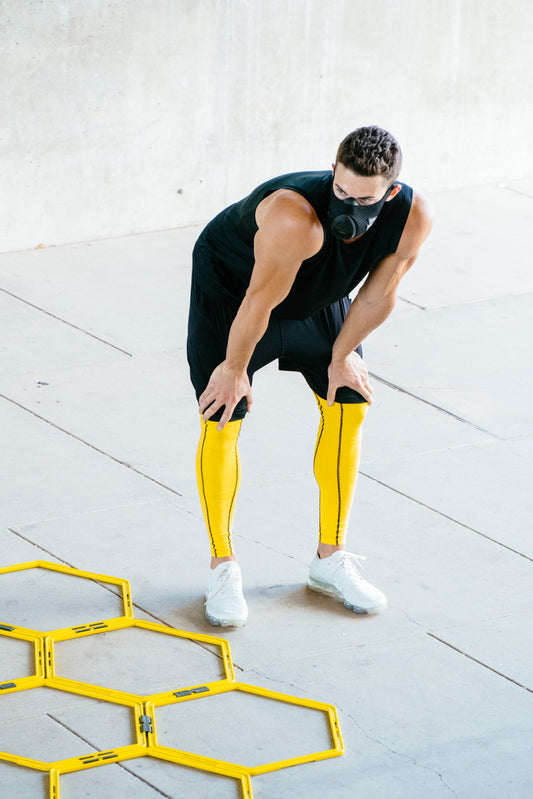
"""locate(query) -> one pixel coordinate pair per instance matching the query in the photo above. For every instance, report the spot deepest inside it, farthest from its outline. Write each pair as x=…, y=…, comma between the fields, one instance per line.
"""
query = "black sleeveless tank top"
x=224, y=255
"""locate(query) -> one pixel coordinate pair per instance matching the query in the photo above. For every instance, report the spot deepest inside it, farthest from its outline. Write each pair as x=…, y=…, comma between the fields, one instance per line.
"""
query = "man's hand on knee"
x=350, y=371
x=225, y=388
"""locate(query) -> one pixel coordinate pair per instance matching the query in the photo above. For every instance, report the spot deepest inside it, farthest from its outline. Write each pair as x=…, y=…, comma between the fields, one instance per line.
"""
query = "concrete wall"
x=122, y=116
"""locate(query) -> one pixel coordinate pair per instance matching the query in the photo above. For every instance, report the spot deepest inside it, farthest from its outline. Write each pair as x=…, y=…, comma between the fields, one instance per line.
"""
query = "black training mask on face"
x=348, y=219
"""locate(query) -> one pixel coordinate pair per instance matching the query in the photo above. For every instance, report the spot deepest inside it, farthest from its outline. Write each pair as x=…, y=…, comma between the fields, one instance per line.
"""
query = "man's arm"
x=374, y=303
x=289, y=232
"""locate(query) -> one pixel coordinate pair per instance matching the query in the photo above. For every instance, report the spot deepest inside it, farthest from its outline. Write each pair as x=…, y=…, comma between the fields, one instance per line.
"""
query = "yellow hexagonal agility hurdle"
x=72, y=572
x=202, y=692
x=72, y=633
x=145, y=708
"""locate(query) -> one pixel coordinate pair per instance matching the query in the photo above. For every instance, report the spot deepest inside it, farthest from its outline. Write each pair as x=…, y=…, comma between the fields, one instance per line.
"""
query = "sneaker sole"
x=320, y=588
x=225, y=623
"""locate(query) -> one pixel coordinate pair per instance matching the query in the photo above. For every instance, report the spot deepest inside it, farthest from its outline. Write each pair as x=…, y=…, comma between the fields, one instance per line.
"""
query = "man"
x=271, y=278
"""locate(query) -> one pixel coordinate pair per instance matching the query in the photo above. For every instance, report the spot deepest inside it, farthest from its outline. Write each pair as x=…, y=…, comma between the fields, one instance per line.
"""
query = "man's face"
x=363, y=190
x=356, y=201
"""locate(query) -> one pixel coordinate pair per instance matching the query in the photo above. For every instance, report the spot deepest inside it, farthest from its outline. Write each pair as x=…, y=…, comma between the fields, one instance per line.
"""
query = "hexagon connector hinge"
x=146, y=723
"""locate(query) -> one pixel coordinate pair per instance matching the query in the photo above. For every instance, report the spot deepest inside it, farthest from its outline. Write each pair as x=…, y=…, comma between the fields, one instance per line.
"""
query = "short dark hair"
x=371, y=151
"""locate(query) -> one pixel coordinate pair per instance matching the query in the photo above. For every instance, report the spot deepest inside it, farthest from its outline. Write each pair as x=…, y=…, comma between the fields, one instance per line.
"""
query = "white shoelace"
x=353, y=564
x=227, y=585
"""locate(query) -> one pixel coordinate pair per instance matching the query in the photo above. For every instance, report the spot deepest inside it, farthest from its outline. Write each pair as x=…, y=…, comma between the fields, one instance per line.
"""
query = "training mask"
x=348, y=219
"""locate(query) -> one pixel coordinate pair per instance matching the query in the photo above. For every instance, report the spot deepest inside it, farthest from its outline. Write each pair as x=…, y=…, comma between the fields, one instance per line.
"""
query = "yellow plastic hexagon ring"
x=145, y=706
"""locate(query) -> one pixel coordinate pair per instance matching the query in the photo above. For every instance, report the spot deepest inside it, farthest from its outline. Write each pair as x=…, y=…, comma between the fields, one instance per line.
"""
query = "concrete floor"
x=98, y=435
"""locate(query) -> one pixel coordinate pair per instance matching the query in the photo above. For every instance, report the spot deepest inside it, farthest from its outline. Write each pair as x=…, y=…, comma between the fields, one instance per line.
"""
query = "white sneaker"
x=338, y=576
x=225, y=605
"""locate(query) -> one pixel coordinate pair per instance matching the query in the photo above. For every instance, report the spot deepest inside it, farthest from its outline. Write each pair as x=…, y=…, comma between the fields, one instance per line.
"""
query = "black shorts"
x=299, y=345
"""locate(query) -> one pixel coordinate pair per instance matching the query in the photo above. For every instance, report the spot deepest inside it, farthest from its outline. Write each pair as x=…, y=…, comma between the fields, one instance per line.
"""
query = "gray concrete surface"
x=122, y=117
x=98, y=432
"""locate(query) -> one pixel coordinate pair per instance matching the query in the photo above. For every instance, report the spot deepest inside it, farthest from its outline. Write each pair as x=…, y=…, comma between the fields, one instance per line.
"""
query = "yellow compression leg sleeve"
x=218, y=474
x=336, y=464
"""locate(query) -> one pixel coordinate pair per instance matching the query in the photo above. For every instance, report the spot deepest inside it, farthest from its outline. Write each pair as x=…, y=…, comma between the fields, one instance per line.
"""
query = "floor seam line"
x=517, y=191
x=88, y=444
x=446, y=516
x=106, y=587
x=38, y=546
x=97, y=749
x=412, y=302
x=65, y=322
x=80, y=242
x=480, y=663
x=455, y=416
x=73, y=566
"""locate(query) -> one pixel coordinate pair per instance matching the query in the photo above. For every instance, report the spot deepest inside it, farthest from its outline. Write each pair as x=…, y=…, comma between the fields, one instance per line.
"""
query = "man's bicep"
x=280, y=246
x=273, y=273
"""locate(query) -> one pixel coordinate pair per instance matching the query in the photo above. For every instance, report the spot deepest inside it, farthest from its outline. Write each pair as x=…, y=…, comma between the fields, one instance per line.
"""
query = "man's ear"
x=333, y=169
x=394, y=191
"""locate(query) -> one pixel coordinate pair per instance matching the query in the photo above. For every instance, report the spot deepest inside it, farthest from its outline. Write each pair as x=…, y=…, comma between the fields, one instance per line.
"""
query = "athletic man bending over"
x=271, y=278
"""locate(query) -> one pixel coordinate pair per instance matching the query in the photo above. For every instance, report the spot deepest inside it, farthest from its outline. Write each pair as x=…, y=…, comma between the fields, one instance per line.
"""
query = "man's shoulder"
x=421, y=213
x=418, y=225
x=302, y=194
x=288, y=209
